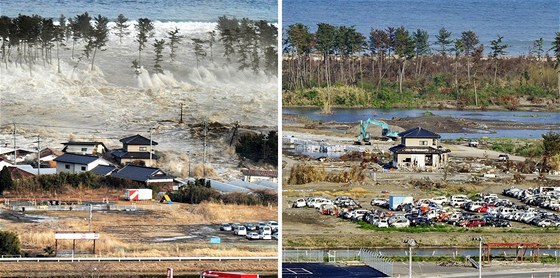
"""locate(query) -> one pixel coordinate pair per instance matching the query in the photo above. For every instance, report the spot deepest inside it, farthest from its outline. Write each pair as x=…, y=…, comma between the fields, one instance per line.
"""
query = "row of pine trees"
x=342, y=55
x=29, y=40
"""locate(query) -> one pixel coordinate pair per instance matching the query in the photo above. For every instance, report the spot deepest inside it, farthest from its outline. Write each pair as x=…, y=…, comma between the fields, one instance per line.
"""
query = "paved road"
x=431, y=270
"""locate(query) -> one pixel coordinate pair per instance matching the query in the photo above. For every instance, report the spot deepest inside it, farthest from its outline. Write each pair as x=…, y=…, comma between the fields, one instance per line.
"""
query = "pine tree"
x=6, y=181
x=99, y=36
x=199, y=51
x=174, y=41
x=121, y=27
x=144, y=28
x=158, y=49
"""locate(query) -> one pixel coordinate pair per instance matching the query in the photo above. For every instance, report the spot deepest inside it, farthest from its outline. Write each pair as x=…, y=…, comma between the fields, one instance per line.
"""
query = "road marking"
x=298, y=271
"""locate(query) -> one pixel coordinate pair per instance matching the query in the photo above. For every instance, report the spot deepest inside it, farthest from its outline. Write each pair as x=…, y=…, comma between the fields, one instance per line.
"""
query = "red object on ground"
x=217, y=274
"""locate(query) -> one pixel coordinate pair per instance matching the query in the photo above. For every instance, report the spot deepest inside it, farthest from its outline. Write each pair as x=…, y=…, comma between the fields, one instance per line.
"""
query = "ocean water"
x=520, y=22
x=161, y=10
x=111, y=101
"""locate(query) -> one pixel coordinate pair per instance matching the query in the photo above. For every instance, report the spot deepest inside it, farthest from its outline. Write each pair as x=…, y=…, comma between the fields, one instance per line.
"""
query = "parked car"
x=421, y=221
x=273, y=225
x=458, y=200
x=472, y=143
x=399, y=222
x=382, y=223
x=475, y=223
x=240, y=231
x=496, y=222
x=548, y=223
x=225, y=227
x=250, y=226
x=503, y=157
x=253, y=235
x=299, y=203
x=379, y=202
x=265, y=236
x=275, y=236
x=441, y=200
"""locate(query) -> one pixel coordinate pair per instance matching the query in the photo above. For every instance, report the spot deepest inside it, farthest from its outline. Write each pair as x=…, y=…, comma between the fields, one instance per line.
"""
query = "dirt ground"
x=150, y=230
x=437, y=124
x=305, y=227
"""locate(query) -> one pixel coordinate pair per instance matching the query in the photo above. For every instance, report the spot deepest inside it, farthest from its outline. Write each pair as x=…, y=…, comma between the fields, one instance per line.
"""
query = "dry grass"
x=125, y=234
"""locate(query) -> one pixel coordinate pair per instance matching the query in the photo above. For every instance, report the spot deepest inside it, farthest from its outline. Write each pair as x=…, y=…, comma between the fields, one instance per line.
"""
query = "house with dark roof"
x=136, y=149
x=77, y=163
x=103, y=170
x=419, y=148
x=148, y=176
x=254, y=175
x=85, y=148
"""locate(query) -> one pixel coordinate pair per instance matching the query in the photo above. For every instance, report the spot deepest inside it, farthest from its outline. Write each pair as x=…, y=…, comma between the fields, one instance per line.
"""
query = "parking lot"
x=532, y=206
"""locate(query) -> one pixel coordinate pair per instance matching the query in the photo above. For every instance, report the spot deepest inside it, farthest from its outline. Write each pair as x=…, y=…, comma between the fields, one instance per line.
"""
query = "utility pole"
x=411, y=243
x=151, y=147
x=204, y=150
x=90, y=216
x=38, y=156
x=15, y=149
x=479, y=239
x=181, y=119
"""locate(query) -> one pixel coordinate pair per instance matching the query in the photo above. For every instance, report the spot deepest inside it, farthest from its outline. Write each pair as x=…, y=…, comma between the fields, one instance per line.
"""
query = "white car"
x=299, y=203
x=441, y=200
x=401, y=222
x=379, y=202
x=273, y=225
x=253, y=235
x=275, y=236
x=225, y=227
x=240, y=231
x=265, y=236
x=317, y=204
x=459, y=200
x=382, y=223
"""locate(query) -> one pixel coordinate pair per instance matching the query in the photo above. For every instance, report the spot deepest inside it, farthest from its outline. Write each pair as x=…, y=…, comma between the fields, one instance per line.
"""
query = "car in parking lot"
x=441, y=200
x=240, y=231
x=275, y=236
x=496, y=222
x=548, y=223
x=253, y=235
x=421, y=221
x=225, y=227
x=250, y=226
x=382, y=223
x=379, y=202
x=273, y=225
x=265, y=236
x=299, y=203
x=475, y=223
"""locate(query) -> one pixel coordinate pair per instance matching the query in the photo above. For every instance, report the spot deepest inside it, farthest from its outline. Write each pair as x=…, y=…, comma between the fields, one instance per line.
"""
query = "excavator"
x=364, y=137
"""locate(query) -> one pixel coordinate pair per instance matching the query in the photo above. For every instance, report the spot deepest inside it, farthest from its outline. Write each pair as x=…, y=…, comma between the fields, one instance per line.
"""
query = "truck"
x=138, y=194
x=397, y=202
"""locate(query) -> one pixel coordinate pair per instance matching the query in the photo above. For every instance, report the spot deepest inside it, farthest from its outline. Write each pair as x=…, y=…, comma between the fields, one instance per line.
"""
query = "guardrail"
x=138, y=259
